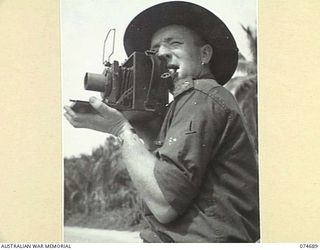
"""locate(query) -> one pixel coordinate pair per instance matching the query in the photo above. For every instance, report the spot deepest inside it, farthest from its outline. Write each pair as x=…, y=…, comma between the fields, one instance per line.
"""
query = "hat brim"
x=225, y=52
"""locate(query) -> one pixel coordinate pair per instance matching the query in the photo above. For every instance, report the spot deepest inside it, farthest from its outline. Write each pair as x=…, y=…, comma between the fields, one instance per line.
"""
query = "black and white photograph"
x=160, y=121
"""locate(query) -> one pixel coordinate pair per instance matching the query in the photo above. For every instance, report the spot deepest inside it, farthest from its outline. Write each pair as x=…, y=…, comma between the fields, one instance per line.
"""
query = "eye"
x=175, y=43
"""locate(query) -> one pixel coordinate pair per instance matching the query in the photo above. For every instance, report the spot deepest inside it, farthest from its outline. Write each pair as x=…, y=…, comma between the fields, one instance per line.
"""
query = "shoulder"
x=217, y=93
x=200, y=101
x=205, y=98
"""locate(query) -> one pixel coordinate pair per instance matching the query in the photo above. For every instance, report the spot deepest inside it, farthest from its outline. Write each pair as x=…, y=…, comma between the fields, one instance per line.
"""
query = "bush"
x=99, y=186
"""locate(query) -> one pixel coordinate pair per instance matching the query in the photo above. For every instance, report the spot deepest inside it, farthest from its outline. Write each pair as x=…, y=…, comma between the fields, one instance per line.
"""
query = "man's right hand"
x=107, y=119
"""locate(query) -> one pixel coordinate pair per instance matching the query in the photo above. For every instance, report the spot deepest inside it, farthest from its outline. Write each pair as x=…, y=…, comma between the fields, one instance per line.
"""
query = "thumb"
x=98, y=104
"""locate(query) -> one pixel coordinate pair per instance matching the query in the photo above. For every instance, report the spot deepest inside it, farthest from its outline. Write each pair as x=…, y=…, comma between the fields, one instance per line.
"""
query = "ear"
x=206, y=53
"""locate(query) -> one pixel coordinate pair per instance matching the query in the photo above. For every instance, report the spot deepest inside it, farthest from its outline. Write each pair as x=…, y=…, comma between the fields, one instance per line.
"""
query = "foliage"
x=244, y=86
x=98, y=184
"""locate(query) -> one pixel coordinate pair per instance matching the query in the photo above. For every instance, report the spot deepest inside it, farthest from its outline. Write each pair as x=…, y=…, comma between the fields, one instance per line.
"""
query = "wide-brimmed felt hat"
x=210, y=28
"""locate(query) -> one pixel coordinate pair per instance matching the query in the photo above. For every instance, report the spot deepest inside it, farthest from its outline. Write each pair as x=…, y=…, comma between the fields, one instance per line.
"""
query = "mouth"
x=173, y=70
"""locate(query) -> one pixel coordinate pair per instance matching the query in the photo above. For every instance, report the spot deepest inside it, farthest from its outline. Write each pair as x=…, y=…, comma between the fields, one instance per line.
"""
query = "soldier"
x=201, y=184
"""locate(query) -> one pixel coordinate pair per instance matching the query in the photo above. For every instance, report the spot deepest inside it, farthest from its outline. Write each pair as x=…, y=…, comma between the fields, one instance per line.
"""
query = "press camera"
x=138, y=87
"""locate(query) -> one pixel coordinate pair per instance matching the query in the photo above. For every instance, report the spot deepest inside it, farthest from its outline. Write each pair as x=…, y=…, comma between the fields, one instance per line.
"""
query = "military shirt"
x=206, y=168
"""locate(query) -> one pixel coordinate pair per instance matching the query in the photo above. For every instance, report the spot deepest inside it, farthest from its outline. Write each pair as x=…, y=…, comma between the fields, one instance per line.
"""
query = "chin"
x=179, y=78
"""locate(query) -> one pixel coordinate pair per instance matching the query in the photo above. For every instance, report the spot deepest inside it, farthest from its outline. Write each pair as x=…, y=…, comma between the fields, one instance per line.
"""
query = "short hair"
x=199, y=40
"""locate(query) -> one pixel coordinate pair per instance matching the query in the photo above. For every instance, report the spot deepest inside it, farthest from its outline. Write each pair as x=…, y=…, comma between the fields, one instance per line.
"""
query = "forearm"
x=138, y=160
x=140, y=164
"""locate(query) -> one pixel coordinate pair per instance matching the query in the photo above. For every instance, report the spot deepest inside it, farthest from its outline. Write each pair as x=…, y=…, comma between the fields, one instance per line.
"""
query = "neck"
x=205, y=73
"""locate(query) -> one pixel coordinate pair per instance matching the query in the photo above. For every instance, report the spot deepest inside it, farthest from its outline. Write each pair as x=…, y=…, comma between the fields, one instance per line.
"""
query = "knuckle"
x=76, y=119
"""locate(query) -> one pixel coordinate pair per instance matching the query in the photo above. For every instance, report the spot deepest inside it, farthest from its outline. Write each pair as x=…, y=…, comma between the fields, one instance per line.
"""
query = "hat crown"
x=207, y=25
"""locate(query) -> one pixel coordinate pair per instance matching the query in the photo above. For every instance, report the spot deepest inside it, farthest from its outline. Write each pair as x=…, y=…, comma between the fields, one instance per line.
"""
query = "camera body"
x=138, y=88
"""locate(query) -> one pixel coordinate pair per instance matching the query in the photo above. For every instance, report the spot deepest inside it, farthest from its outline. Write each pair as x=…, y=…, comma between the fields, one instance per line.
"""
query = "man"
x=201, y=184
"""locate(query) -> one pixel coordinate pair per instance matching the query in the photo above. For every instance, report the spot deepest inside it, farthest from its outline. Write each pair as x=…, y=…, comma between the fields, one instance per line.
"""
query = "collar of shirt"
x=185, y=84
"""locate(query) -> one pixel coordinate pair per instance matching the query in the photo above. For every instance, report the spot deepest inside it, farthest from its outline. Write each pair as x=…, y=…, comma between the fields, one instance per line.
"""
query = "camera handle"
x=107, y=63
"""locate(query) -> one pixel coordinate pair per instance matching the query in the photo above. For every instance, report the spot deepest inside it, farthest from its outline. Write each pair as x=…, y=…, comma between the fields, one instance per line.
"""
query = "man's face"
x=181, y=49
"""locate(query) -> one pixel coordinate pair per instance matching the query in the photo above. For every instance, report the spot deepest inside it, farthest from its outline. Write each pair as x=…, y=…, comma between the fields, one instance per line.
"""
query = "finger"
x=70, y=111
x=100, y=106
x=66, y=115
x=74, y=121
x=69, y=118
x=76, y=116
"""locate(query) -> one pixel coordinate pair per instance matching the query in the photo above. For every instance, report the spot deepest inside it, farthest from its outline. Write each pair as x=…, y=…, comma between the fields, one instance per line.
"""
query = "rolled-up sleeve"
x=191, y=140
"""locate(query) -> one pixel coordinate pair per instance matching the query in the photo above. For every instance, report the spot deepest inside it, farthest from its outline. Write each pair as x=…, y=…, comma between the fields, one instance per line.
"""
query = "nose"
x=164, y=52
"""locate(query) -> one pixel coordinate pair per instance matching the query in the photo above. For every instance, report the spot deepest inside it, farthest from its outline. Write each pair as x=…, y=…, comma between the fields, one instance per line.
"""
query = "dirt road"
x=88, y=235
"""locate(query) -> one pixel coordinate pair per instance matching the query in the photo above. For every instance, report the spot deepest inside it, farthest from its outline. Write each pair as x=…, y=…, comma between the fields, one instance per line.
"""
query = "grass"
x=120, y=219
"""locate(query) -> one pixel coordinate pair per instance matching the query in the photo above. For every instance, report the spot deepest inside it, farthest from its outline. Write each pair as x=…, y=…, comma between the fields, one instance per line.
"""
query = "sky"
x=84, y=25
